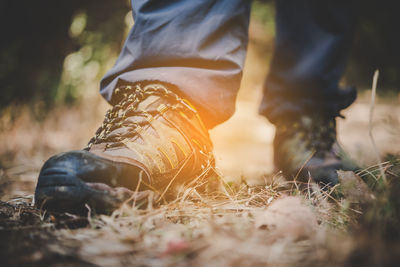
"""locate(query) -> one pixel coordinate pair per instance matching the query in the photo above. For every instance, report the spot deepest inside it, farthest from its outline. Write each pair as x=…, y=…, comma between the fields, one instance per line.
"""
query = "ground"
x=255, y=219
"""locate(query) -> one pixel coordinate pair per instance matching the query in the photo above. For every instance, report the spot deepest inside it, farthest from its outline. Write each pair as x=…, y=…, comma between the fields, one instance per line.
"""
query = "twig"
x=371, y=113
x=137, y=189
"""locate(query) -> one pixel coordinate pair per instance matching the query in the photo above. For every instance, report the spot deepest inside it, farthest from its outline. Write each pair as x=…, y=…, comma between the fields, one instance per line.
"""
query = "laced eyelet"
x=130, y=98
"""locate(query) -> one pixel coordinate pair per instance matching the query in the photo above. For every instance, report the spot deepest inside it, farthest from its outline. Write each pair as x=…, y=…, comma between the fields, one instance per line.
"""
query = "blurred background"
x=53, y=55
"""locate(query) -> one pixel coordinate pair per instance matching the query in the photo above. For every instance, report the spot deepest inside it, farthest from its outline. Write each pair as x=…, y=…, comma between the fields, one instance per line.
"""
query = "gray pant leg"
x=197, y=45
x=313, y=40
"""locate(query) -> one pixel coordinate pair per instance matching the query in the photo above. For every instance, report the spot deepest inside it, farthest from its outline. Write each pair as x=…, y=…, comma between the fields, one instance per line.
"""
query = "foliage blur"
x=54, y=52
x=50, y=49
x=376, y=45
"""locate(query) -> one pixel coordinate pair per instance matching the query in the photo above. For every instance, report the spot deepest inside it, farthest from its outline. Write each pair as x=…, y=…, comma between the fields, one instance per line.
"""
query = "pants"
x=199, y=47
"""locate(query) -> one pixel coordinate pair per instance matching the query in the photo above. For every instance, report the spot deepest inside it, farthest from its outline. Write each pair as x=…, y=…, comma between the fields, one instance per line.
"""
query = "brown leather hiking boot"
x=152, y=139
x=308, y=148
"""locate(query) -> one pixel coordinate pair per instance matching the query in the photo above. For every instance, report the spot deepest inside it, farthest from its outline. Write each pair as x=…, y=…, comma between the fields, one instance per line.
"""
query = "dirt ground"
x=258, y=223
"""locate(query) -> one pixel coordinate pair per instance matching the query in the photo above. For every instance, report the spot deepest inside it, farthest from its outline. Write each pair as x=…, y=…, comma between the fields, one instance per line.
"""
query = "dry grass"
x=239, y=225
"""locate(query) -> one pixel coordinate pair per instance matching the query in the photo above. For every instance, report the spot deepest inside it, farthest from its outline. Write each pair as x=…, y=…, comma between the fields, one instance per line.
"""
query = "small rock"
x=354, y=188
x=288, y=218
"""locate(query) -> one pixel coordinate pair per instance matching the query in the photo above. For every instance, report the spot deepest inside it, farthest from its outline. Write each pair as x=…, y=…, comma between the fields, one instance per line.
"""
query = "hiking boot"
x=151, y=139
x=307, y=148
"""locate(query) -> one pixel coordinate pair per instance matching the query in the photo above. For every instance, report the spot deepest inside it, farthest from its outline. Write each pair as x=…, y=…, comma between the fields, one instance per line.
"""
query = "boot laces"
x=319, y=133
x=117, y=116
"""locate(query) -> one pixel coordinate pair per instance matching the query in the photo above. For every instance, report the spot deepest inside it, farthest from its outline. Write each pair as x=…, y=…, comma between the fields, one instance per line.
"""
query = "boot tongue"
x=151, y=103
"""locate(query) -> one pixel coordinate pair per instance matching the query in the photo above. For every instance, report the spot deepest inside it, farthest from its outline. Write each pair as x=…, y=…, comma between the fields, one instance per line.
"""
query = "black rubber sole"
x=63, y=183
x=63, y=193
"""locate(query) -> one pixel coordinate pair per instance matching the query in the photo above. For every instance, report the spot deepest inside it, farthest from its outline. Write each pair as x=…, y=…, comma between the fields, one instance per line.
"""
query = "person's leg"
x=198, y=46
x=313, y=39
x=179, y=54
x=301, y=93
